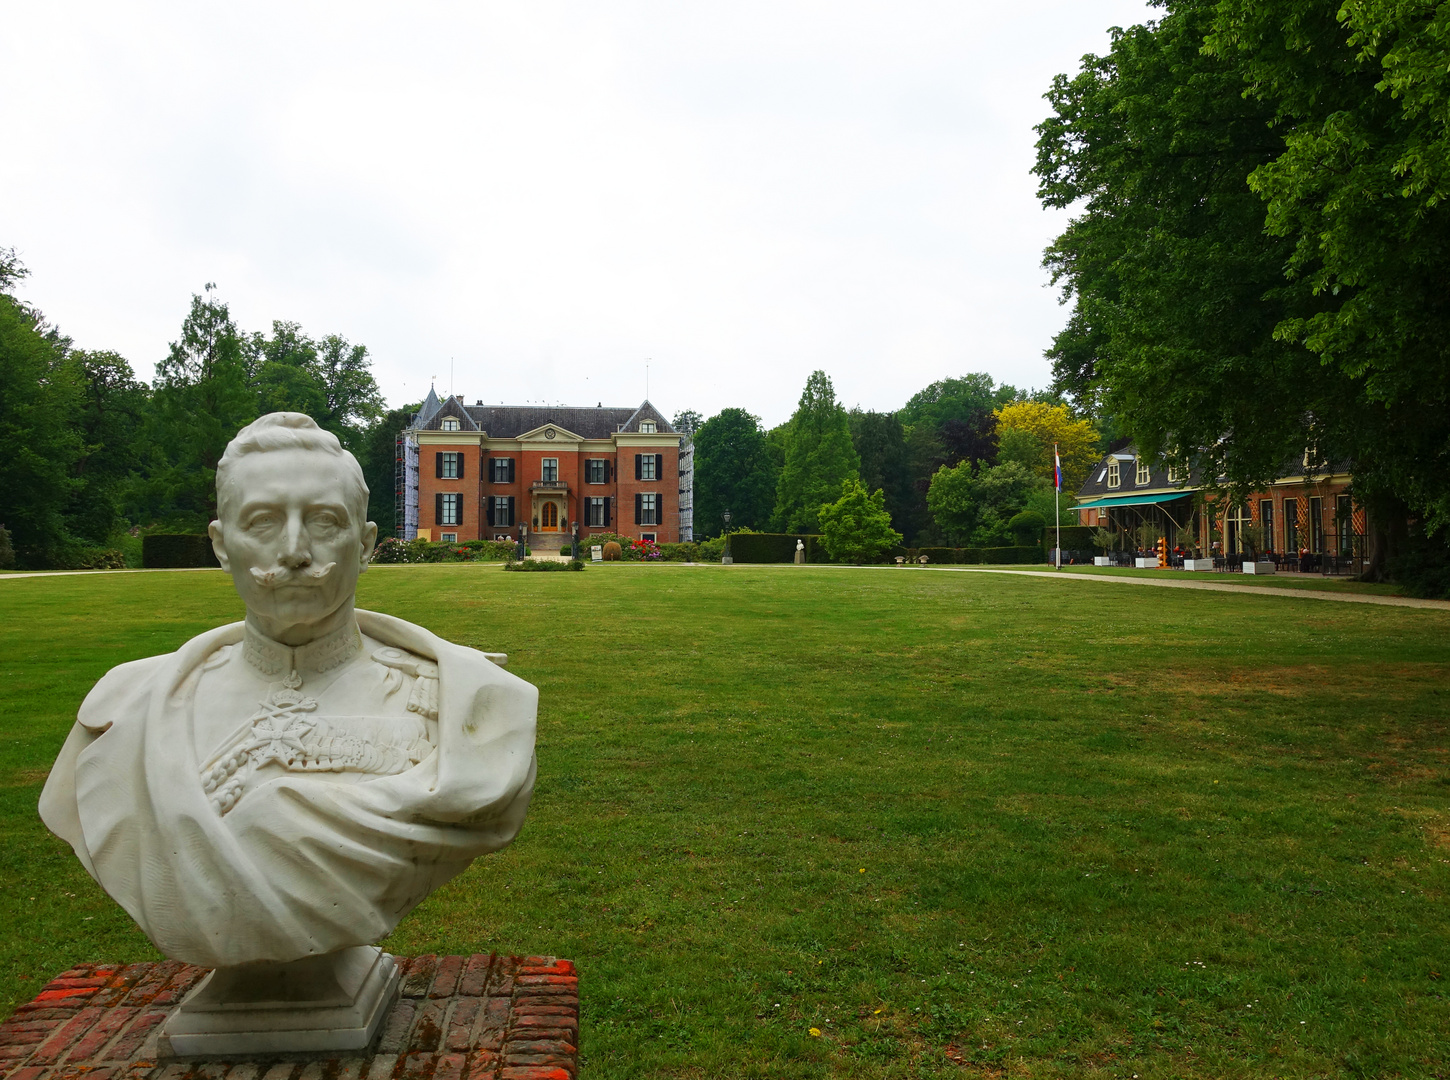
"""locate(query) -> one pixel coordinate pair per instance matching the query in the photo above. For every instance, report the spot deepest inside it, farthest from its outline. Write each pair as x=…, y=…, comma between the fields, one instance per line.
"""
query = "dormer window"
x=646, y=427
x=450, y=424
x=1140, y=476
x=1115, y=477
x=1175, y=475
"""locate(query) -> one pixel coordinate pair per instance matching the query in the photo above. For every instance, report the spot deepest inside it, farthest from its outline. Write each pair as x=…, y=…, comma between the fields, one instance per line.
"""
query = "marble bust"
x=290, y=786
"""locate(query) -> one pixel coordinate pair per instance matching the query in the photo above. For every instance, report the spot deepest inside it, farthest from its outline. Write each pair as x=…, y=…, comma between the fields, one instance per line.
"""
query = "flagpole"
x=1057, y=504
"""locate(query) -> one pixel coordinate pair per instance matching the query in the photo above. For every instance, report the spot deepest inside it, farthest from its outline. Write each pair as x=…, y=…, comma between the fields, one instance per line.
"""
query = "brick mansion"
x=484, y=472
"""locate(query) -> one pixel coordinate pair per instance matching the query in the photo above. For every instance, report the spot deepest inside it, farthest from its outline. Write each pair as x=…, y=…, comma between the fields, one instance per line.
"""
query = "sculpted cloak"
x=301, y=865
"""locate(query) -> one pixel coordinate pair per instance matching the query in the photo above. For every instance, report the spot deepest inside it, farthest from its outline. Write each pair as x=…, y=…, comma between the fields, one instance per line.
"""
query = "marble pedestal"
x=321, y=1004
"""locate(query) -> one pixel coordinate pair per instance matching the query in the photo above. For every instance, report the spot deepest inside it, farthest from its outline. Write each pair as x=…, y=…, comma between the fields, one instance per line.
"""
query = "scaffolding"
x=405, y=485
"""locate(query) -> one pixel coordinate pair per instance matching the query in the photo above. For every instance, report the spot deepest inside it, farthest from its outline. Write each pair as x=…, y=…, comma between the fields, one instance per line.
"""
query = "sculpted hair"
x=290, y=431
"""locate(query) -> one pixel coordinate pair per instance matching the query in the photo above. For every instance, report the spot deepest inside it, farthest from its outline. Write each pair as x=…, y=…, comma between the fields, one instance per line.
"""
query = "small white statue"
x=800, y=551
x=291, y=786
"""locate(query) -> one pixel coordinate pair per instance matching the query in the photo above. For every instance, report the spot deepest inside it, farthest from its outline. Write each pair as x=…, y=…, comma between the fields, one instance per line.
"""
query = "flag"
x=1057, y=465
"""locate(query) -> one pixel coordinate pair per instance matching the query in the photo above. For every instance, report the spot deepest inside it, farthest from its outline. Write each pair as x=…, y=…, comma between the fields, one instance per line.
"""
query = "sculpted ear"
x=214, y=530
x=369, y=542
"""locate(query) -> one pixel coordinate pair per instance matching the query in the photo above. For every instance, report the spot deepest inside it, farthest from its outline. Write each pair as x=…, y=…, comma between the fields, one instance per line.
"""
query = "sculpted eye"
x=261, y=521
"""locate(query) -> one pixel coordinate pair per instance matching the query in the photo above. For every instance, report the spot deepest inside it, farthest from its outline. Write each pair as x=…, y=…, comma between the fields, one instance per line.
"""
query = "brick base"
x=480, y=1017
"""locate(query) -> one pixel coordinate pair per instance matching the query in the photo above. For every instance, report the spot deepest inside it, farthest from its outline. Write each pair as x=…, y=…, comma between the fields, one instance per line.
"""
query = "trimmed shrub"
x=1074, y=537
x=683, y=552
x=1026, y=527
x=754, y=547
x=7, y=550
x=944, y=556
x=392, y=550
x=612, y=551
x=543, y=565
x=171, y=551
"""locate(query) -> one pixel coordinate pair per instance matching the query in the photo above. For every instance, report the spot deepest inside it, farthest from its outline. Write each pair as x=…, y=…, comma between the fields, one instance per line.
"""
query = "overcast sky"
x=546, y=195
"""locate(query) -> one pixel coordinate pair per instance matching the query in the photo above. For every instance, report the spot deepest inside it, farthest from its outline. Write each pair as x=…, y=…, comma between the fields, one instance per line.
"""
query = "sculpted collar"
x=273, y=660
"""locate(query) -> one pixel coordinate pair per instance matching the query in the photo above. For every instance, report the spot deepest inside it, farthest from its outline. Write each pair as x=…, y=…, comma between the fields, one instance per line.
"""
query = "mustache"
x=277, y=576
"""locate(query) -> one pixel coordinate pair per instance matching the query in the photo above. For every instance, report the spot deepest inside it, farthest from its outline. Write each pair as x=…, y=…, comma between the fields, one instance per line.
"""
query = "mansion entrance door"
x=549, y=517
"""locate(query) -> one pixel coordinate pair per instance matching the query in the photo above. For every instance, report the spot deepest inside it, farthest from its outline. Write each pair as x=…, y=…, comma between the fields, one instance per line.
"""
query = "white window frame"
x=591, y=466
x=448, y=538
x=546, y=466
x=451, y=461
x=647, y=427
x=647, y=467
x=649, y=508
x=594, y=512
x=449, y=424
x=1141, y=472
x=1115, y=475
x=649, y=537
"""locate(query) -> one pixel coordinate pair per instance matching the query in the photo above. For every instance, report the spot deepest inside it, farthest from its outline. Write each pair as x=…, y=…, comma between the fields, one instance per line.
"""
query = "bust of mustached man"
x=294, y=784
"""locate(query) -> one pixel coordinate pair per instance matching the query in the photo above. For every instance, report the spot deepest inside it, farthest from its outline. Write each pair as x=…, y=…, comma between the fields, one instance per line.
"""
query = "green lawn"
x=1025, y=824
x=1316, y=582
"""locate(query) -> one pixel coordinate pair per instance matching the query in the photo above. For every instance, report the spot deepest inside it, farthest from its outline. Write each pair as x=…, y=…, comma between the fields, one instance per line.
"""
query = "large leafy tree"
x=329, y=379
x=819, y=457
x=1257, y=261
x=41, y=396
x=880, y=442
x=110, y=422
x=973, y=505
x=733, y=471
x=202, y=398
x=1035, y=427
x=856, y=527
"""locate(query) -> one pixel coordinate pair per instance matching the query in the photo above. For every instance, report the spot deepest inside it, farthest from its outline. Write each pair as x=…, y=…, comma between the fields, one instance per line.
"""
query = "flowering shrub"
x=392, y=550
x=644, y=549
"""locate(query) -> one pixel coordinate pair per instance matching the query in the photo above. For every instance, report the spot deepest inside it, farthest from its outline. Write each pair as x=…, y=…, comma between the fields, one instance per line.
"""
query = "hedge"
x=1074, y=537
x=976, y=556
x=753, y=547
x=169, y=551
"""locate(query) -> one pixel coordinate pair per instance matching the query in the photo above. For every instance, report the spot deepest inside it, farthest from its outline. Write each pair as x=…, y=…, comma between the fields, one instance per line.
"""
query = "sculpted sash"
x=125, y=793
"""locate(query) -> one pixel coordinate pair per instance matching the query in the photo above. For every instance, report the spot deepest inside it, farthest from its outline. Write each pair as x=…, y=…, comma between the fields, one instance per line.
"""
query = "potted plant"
x=1252, y=539
x=1104, y=540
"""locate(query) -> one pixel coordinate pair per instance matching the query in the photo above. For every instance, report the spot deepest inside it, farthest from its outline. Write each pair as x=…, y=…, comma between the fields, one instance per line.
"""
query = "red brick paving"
x=480, y=1017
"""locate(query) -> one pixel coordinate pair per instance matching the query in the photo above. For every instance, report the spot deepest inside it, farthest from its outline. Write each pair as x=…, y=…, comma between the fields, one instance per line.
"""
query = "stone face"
x=291, y=786
x=66, y=1032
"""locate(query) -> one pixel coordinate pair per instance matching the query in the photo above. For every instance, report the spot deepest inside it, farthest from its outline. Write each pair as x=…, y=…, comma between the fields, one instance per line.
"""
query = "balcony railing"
x=549, y=485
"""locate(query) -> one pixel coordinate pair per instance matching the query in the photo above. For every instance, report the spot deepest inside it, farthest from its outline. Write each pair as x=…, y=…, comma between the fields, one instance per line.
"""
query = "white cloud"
x=548, y=194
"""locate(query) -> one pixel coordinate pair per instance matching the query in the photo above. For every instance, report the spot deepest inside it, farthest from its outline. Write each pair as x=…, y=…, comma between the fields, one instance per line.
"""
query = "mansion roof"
x=511, y=421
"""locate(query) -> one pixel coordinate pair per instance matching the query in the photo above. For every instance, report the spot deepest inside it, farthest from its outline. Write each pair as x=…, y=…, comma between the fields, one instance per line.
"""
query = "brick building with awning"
x=1303, y=511
x=471, y=472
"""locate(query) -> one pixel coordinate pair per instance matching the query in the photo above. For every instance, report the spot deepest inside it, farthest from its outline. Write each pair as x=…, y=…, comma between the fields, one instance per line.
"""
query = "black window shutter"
x=606, y=470
x=511, y=509
x=660, y=508
x=638, y=502
x=511, y=470
x=438, y=464
x=607, y=501
x=638, y=469
x=461, y=458
x=488, y=507
x=438, y=509
x=659, y=467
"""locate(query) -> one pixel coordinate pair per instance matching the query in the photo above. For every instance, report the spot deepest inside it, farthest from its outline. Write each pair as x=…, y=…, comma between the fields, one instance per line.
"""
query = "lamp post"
x=575, y=530
x=726, y=560
x=523, y=540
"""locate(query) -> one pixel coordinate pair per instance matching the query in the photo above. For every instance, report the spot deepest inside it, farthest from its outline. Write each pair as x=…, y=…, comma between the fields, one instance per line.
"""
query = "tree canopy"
x=819, y=457
x=733, y=471
x=856, y=527
x=1256, y=257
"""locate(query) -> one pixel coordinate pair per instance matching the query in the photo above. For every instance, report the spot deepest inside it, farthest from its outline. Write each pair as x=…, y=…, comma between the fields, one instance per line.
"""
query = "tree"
x=41, y=392
x=954, y=399
x=687, y=421
x=819, y=457
x=1258, y=266
x=351, y=398
x=202, y=400
x=1031, y=428
x=733, y=471
x=330, y=380
x=856, y=527
x=109, y=421
x=880, y=443
x=974, y=504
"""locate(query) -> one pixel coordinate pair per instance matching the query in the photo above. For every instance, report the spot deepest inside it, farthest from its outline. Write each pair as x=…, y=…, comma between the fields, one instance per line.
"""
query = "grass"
x=957, y=823
x=1316, y=582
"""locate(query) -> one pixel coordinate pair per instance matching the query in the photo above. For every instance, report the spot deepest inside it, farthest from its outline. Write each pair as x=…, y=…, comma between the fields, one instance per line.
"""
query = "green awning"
x=1134, y=500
